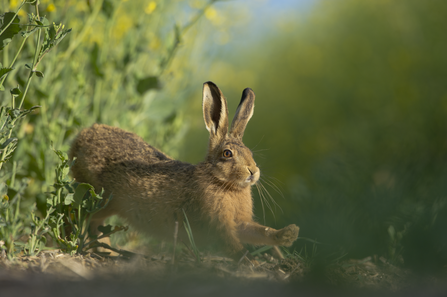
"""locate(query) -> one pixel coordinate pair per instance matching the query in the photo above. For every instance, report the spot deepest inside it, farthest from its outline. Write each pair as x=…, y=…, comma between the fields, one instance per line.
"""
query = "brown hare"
x=151, y=190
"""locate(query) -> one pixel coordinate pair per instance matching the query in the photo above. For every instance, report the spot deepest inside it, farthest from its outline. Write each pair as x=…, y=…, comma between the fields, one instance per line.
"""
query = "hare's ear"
x=215, y=111
x=243, y=113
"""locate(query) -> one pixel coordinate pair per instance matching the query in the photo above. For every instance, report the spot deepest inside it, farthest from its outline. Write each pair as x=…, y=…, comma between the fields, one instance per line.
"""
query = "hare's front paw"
x=287, y=235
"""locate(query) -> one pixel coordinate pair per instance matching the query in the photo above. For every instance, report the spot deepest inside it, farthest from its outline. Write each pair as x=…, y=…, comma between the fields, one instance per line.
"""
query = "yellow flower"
x=122, y=25
x=29, y=129
x=13, y=4
x=22, y=13
x=210, y=13
x=150, y=7
x=51, y=7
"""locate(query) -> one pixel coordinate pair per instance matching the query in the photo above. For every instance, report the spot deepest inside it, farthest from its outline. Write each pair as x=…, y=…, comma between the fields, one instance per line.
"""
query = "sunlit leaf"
x=79, y=194
x=12, y=30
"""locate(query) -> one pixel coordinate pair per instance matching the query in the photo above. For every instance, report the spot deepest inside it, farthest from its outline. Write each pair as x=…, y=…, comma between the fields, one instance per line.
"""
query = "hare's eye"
x=227, y=154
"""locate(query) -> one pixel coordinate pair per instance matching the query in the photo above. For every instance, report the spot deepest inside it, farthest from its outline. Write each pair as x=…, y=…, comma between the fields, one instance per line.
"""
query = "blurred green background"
x=350, y=120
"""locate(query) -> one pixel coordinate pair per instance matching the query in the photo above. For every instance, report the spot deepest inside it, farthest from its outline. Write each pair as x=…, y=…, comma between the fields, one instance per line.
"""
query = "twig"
x=121, y=252
x=278, y=252
x=240, y=260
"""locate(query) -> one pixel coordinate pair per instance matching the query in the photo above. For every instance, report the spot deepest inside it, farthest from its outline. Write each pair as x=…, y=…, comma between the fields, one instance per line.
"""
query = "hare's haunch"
x=151, y=190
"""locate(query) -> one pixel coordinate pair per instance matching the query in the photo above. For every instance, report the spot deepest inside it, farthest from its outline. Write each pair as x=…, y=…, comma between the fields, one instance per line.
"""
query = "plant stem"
x=36, y=56
x=10, y=22
x=13, y=176
x=14, y=60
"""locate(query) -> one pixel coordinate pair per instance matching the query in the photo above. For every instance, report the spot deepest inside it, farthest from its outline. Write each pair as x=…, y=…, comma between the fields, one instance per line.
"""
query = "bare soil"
x=55, y=273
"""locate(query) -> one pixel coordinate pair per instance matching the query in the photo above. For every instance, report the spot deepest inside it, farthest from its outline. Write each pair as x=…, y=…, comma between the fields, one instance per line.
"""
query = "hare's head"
x=231, y=161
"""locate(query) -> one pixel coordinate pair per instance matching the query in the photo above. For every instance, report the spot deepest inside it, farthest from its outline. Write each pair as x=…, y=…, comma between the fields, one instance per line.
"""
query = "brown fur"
x=150, y=189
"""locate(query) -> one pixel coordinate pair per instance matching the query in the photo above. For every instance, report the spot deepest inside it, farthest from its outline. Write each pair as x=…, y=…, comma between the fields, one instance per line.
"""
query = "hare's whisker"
x=271, y=197
x=268, y=180
x=266, y=200
x=262, y=202
x=258, y=143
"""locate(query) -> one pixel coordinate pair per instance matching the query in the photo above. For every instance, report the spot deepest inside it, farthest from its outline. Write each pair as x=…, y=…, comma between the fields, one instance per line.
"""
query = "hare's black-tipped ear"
x=243, y=113
x=215, y=111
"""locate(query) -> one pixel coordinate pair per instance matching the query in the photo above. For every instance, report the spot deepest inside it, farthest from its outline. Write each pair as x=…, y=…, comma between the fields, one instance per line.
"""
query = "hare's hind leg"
x=254, y=233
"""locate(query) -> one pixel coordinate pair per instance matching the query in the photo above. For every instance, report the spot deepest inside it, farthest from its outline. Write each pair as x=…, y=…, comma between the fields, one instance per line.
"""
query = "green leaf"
x=79, y=194
x=12, y=140
x=39, y=73
x=4, y=71
x=62, y=156
x=12, y=30
x=14, y=113
x=28, y=33
x=53, y=35
x=15, y=91
x=43, y=21
x=105, y=229
x=147, y=83
x=28, y=66
x=69, y=199
x=20, y=113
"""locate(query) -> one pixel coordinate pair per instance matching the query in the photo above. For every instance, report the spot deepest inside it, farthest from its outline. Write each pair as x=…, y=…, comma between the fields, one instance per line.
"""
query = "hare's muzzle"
x=254, y=175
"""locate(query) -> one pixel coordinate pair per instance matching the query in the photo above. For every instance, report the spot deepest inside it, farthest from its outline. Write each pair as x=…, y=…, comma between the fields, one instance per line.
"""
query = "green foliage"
x=351, y=111
x=70, y=209
x=37, y=240
x=8, y=120
x=9, y=27
x=12, y=220
x=112, y=69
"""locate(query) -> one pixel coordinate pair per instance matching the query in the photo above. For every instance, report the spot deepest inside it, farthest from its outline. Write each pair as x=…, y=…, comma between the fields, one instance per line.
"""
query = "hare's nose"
x=254, y=173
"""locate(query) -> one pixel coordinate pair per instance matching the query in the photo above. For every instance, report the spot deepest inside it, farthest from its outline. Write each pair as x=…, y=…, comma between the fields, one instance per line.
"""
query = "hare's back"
x=101, y=146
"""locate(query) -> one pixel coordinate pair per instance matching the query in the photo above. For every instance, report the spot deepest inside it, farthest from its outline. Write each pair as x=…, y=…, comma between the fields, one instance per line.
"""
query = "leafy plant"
x=99, y=73
x=39, y=227
x=11, y=219
x=70, y=209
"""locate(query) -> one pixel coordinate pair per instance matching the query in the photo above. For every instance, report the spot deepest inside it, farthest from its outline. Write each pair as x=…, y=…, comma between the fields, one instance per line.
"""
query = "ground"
x=53, y=272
